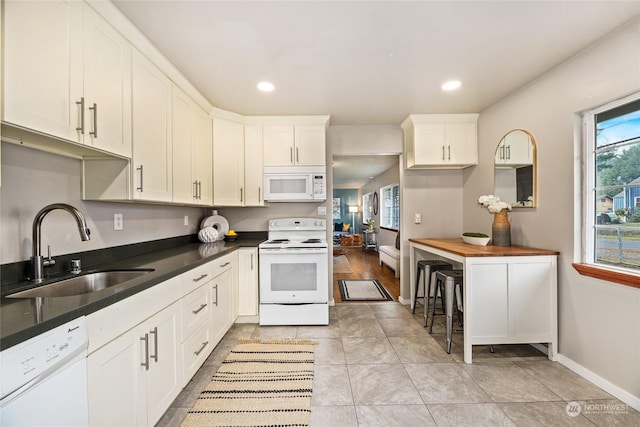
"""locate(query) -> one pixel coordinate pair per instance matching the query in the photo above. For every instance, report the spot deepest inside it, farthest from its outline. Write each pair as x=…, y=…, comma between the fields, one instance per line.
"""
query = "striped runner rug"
x=260, y=383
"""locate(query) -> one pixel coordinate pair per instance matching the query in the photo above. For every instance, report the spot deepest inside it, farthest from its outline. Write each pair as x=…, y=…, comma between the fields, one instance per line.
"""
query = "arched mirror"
x=515, y=169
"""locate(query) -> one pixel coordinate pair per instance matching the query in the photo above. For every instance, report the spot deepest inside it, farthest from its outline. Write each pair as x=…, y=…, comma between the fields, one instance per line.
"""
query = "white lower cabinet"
x=134, y=378
x=221, y=305
x=247, y=284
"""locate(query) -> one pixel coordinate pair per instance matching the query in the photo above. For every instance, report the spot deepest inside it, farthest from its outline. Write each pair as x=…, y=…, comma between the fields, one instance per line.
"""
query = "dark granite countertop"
x=24, y=318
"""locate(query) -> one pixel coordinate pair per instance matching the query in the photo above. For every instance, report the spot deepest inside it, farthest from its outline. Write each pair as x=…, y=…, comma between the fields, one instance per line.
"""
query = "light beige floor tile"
x=533, y=414
x=329, y=351
x=360, y=328
x=562, y=381
x=609, y=413
x=394, y=415
x=331, y=386
x=266, y=332
x=506, y=382
x=402, y=327
x=469, y=415
x=382, y=385
x=368, y=350
x=391, y=311
x=333, y=416
x=321, y=331
x=354, y=311
x=445, y=383
x=419, y=349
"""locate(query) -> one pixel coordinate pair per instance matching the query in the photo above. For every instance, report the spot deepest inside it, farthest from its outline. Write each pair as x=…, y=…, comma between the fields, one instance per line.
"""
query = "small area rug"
x=260, y=383
x=341, y=264
x=363, y=290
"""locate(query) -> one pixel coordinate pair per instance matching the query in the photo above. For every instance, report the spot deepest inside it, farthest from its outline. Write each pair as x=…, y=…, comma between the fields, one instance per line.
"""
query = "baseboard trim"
x=604, y=384
x=404, y=301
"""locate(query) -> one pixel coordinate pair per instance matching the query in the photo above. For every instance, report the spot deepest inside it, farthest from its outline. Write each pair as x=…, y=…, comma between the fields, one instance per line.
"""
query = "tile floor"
x=375, y=365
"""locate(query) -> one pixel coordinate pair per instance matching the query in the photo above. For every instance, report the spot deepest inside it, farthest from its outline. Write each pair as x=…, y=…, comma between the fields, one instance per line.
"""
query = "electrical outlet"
x=322, y=210
x=418, y=218
x=186, y=220
x=118, y=222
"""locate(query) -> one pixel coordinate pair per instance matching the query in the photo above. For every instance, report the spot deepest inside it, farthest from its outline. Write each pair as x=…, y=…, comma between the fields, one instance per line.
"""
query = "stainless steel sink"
x=83, y=284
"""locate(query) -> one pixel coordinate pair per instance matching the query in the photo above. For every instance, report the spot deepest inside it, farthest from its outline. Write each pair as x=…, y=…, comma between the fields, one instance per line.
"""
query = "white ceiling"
x=368, y=62
x=356, y=171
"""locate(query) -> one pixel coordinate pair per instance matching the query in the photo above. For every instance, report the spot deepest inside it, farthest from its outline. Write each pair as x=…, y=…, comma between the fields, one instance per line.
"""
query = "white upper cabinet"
x=152, y=147
x=42, y=45
x=192, y=158
x=253, y=166
x=294, y=145
x=228, y=163
x=67, y=74
x=447, y=141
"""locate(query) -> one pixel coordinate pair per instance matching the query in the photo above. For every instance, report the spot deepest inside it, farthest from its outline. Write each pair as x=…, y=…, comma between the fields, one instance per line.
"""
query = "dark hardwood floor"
x=365, y=265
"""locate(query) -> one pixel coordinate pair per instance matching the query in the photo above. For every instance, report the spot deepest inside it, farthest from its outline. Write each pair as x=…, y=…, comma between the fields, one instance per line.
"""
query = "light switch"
x=418, y=218
x=118, y=222
x=186, y=220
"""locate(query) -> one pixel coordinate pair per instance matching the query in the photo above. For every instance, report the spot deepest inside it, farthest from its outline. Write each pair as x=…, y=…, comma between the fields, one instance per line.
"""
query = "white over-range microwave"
x=295, y=184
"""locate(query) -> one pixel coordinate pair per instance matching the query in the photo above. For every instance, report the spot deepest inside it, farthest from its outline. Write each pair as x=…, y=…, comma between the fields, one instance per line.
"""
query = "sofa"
x=390, y=255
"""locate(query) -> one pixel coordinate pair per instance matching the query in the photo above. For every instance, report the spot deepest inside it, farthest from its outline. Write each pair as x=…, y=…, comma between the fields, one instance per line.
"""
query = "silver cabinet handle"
x=197, y=279
x=216, y=288
x=241, y=194
x=146, y=351
x=204, y=345
x=291, y=154
x=95, y=120
x=259, y=194
x=195, y=190
x=297, y=156
x=155, y=344
x=199, y=190
x=225, y=264
x=443, y=152
x=251, y=261
x=140, y=188
x=81, y=104
x=502, y=152
x=508, y=152
x=202, y=307
x=449, y=152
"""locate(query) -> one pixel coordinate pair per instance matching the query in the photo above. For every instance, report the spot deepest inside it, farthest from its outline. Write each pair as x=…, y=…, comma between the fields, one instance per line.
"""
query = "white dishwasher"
x=44, y=379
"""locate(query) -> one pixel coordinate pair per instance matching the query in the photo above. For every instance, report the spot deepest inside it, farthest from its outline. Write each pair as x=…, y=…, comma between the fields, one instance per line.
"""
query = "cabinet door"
x=310, y=146
x=203, y=157
x=228, y=163
x=221, y=305
x=42, y=50
x=461, y=144
x=107, y=86
x=164, y=377
x=429, y=144
x=253, y=166
x=247, y=282
x=278, y=145
x=116, y=381
x=184, y=189
x=152, y=149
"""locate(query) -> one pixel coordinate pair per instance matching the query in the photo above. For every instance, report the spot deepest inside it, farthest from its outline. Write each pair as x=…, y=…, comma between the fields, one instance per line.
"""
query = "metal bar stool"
x=447, y=281
x=428, y=267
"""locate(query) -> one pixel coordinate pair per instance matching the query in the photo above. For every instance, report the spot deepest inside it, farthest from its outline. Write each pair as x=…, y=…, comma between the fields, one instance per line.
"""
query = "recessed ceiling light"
x=451, y=85
x=266, y=86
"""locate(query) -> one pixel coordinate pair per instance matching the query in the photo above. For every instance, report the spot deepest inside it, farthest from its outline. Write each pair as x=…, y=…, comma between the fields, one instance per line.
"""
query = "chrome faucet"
x=38, y=262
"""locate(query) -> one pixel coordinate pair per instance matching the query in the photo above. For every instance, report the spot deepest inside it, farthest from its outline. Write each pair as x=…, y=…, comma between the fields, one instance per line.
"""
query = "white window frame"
x=587, y=215
x=382, y=207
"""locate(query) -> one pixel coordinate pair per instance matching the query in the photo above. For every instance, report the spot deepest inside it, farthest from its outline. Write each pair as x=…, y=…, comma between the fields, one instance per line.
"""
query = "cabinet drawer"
x=195, y=309
x=222, y=264
x=195, y=278
x=195, y=351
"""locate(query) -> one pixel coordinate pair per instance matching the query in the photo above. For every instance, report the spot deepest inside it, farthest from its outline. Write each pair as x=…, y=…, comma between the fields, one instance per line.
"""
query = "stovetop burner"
x=312, y=241
x=278, y=241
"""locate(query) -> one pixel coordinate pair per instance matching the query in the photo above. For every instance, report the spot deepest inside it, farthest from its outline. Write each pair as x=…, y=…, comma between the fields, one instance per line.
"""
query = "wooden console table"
x=510, y=292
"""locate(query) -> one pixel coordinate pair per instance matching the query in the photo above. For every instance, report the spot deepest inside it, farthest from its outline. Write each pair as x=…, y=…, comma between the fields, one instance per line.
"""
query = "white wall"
x=32, y=179
x=599, y=321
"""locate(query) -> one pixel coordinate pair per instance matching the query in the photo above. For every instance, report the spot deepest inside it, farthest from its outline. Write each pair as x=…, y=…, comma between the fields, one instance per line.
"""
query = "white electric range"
x=294, y=273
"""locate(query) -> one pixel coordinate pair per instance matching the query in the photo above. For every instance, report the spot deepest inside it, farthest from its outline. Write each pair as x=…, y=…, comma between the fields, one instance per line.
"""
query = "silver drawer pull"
x=204, y=345
x=155, y=344
x=225, y=264
x=200, y=278
x=145, y=364
x=202, y=307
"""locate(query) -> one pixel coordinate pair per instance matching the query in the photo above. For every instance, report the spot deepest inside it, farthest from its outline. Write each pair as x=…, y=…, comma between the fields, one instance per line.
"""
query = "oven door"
x=294, y=276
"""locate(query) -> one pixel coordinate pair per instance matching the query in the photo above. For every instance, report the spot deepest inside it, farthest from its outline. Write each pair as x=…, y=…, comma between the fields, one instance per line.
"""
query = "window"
x=367, y=208
x=612, y=158
x=390, y=206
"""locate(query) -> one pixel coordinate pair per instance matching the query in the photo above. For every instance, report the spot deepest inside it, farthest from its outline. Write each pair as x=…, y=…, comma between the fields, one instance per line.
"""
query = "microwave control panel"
x=318, y=185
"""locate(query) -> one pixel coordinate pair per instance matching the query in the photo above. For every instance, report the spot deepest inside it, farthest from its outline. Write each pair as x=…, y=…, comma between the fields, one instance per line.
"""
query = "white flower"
x=493, y=203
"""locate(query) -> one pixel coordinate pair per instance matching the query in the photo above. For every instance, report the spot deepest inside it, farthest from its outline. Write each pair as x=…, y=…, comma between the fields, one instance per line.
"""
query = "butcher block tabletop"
x=457, y=246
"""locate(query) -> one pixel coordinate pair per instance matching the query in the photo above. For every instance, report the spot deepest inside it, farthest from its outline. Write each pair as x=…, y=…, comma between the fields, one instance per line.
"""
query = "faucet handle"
x=48, y=261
